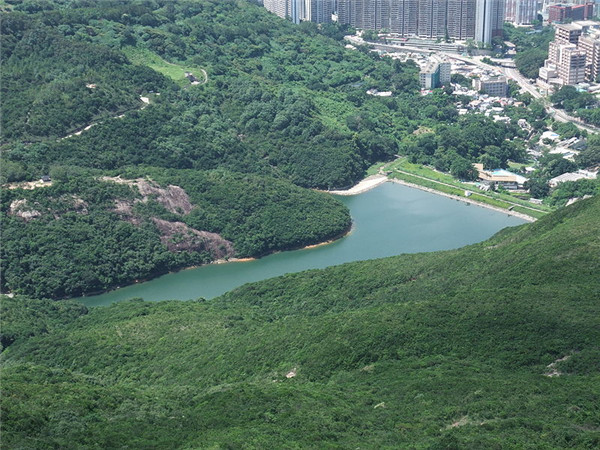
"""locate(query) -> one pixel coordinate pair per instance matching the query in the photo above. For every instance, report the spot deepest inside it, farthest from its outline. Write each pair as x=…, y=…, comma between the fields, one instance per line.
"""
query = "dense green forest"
x=86, y=234
x=278, y=98
x=532, y=47
x=197, y=92
x=495, y=345
x=203, y=125
x=584, y=104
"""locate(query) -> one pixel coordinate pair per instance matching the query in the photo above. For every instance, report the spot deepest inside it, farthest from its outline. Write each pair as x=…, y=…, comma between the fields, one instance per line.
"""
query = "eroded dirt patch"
x=173, y=198
x=179, y=237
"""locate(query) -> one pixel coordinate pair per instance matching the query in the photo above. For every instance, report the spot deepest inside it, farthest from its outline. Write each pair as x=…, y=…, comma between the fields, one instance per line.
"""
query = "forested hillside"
x=87, y=232
x=268, y=96
x=98, y=88
x=495, y=345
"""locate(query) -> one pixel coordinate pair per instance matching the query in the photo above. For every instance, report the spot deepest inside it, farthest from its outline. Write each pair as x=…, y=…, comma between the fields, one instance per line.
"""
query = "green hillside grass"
x=438, y=350
x=145, y=57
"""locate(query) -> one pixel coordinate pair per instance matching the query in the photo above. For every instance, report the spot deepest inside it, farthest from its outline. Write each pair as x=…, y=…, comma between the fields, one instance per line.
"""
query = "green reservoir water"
x=388, y=220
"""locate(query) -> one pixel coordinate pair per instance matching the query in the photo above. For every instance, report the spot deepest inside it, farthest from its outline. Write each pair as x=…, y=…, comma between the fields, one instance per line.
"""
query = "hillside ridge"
x=436, y=349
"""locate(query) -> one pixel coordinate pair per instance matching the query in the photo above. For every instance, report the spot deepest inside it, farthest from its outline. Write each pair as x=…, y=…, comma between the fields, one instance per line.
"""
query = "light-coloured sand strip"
x=466, y=200
x=363, y=186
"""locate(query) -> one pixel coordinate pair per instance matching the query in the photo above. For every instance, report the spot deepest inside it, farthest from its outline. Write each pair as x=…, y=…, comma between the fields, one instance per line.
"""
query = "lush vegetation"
x=532, y=47
x=583, y=104
x=82, y=234
x=269, y=106
x=551, y=165
x=279, y=99
x=254, y=111
x=444, y=350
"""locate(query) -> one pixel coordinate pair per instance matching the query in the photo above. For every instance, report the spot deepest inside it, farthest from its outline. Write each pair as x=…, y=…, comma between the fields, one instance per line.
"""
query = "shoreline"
x=215, y=262
x=223, y=261
x=366, y=184
x=373, y=181
x=465, y=199
x=362, y=186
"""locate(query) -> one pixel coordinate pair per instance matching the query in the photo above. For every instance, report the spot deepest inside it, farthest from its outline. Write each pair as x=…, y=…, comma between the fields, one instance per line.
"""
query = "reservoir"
x=389, y=220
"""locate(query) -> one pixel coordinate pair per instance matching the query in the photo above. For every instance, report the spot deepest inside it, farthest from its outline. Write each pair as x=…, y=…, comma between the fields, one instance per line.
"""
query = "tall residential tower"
x=456, y=19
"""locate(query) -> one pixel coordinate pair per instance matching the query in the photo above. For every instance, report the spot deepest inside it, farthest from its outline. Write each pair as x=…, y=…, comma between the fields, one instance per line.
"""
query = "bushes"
x=415, y=350
x=74, y=242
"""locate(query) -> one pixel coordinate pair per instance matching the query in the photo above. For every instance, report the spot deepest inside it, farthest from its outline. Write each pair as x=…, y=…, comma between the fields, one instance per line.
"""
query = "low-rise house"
x=573, y=176
x=500, y=177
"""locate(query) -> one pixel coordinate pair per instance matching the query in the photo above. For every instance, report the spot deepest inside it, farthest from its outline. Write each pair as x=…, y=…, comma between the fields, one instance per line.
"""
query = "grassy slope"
x=176, y=72
x=443, y=350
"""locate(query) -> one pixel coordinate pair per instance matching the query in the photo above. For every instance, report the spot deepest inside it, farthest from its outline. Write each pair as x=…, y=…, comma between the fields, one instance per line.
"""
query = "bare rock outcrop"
x=173, y=198
x=179, y=237
x=21, y=208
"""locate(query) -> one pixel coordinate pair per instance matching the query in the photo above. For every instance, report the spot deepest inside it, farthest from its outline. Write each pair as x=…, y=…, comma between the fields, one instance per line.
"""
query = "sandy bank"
x=363, y=186
x=230, y=260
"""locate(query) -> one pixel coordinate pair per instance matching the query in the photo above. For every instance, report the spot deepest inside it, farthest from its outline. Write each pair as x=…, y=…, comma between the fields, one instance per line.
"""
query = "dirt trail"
x=145, y=103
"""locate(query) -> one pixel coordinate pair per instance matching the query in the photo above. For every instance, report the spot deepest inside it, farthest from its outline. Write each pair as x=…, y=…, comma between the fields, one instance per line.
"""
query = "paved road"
x=511, y=73
x=514, y=74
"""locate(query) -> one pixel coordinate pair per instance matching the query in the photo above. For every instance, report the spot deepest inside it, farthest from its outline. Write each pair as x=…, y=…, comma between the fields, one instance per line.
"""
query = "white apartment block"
x=521, y=12
x=574, y=55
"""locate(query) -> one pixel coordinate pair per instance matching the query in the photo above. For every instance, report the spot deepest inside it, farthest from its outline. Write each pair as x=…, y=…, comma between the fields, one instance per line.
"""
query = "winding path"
x=145, y=103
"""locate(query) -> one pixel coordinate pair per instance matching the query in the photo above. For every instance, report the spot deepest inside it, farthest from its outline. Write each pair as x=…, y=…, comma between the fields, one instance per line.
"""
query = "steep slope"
x=494, y=345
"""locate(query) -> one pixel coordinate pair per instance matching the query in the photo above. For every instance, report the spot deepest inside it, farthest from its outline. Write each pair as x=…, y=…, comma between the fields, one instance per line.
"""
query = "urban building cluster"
x=562, y=12
x=574, y=55
x=318, y=11
x=480, y=20
x=521, y=12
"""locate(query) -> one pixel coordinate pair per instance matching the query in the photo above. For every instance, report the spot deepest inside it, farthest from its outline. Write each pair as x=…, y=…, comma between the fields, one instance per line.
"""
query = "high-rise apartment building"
x=455, y=19
x=521, y=12
x=489, y=20
x=318, y=11
x=404, y=17
x=460, y=20
x=432, y=18
x=570, y=11
x=570, y=63
x=590, y=44
x=278, y=7
x=321, y=11
x=574, y=55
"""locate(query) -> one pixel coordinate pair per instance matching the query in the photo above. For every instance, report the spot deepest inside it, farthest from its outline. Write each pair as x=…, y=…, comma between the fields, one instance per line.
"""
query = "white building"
x=521, y=12
x=319, y=11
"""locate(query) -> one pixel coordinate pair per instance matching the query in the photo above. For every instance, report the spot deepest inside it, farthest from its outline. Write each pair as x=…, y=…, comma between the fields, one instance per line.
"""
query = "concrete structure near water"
x=500, y=177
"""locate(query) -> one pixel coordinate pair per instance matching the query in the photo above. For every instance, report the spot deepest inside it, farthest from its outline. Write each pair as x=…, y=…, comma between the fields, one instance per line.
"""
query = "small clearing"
x=20, y=208
x=28, y=185
x=552, y=370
